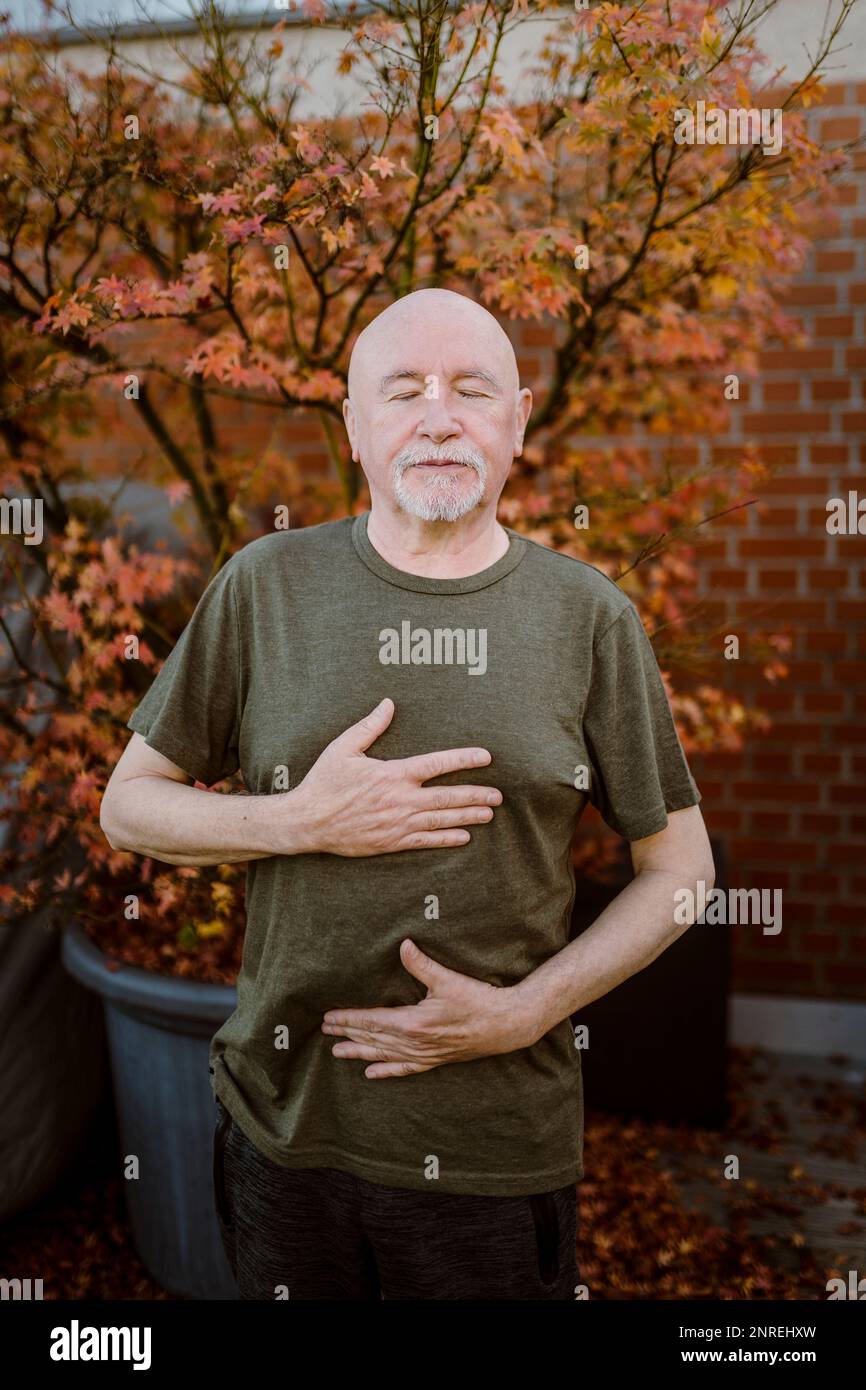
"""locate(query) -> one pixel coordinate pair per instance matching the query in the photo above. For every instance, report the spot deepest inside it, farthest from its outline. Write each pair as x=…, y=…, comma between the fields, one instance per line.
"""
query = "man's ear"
x=349, y=421
x=524, y=409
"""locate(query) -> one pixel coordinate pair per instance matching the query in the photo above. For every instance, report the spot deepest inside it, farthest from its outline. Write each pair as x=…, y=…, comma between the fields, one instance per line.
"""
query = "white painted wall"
x=787, y=34
x=802, y=1027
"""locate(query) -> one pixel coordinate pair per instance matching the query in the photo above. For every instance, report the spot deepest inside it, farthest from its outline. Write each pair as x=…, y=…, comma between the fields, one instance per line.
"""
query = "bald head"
x=422, y=316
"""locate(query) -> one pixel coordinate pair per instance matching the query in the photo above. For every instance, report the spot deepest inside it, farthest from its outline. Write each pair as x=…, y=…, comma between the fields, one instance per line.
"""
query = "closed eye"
x=472, y=395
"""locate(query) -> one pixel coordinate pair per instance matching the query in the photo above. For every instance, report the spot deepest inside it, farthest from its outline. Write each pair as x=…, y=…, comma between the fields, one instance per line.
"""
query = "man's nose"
x=437, y=421
x=437, y=436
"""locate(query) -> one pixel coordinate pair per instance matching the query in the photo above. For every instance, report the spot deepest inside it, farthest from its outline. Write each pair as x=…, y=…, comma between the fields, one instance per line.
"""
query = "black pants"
x=321, y=1233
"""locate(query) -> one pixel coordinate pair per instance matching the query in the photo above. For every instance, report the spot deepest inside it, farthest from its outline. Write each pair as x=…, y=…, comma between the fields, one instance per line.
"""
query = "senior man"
x=421, y=701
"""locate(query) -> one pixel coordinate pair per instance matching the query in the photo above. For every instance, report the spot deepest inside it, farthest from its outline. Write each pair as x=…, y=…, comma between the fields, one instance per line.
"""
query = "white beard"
x=443, y=499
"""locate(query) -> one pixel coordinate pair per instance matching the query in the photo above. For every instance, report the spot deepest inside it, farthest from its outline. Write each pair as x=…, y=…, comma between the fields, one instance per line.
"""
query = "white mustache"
x=452, y=455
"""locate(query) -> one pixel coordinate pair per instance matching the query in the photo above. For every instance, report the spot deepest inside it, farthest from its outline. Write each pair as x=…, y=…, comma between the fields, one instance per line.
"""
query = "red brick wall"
x=792, y=807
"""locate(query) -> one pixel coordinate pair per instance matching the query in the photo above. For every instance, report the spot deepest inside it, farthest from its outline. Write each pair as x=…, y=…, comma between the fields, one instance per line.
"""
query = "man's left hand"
x=459, y=1020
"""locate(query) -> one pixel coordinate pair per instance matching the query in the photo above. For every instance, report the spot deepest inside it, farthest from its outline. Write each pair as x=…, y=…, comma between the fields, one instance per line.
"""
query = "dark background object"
x=53, y=1058
x=658, y=1042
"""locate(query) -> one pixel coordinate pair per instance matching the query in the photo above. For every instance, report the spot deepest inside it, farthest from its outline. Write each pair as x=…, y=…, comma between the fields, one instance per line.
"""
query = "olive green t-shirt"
x=540, y=659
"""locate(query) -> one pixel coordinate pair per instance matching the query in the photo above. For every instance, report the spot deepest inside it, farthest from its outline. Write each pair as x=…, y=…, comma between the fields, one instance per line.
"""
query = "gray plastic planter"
x=159, y=1030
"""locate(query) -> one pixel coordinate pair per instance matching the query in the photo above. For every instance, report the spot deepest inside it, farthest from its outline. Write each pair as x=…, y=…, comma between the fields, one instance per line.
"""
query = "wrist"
x=535, y=1010
x=523, y=1010
x=289, y=824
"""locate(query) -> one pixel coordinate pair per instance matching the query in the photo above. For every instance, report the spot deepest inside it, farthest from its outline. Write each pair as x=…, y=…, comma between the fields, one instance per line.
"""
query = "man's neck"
x=437, y=549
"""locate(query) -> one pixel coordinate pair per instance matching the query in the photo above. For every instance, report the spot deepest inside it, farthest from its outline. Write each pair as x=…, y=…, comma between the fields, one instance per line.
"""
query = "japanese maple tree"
x=178, y=247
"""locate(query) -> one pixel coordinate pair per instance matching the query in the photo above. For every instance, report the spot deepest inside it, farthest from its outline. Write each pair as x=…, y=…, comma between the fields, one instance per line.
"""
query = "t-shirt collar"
x=422, y=584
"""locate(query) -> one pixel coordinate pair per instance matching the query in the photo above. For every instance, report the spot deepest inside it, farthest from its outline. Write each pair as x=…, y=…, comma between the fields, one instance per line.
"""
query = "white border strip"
x=811, y=1027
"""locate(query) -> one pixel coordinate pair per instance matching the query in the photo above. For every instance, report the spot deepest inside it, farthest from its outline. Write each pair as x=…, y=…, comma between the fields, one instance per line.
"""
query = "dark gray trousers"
x=324, y=1234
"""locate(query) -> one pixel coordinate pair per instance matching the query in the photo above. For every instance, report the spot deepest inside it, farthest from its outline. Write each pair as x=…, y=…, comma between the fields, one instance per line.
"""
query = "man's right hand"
x=354, y=805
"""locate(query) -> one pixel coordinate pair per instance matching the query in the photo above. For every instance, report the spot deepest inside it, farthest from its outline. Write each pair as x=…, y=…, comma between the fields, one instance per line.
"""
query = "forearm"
x=627, y=936
x=180, y=824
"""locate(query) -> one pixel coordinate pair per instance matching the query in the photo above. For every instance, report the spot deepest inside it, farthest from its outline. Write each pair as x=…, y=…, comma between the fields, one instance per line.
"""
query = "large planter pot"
x=159, y=1030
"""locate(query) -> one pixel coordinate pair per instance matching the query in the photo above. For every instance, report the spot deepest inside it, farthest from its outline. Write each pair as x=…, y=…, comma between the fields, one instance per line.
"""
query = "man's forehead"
x=388, y=347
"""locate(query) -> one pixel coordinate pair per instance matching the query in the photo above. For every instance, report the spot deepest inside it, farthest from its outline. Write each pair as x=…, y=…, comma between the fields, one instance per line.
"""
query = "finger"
x=382, y=1047
x=442, y=820
x=368, y=1052
x=394, y=1022
x=359, y=736
x=441, y=798
x=379, y=1069
x=364, y=1037
x=425, y=765
x=433, y=839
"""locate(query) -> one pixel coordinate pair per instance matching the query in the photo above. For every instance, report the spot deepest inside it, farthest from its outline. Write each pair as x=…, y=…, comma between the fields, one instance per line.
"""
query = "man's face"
x=436, y=417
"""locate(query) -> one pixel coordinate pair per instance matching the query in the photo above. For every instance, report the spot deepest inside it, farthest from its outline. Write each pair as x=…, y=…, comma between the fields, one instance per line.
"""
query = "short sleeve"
x=638, y=770
x=191, y=713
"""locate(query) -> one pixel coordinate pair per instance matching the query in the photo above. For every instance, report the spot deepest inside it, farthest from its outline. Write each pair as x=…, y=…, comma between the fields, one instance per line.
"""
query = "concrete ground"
x=800, y=1136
